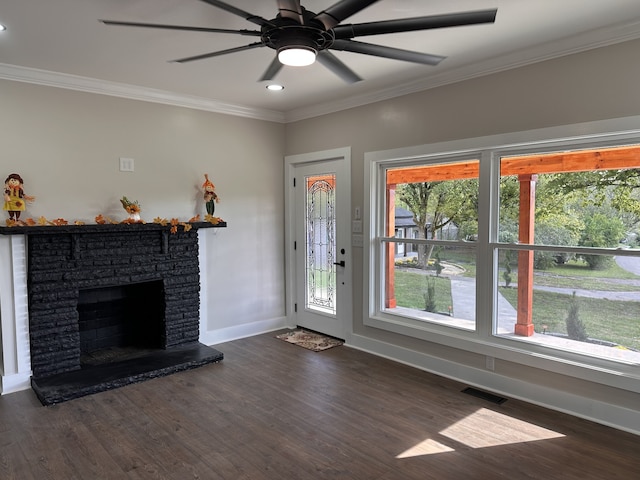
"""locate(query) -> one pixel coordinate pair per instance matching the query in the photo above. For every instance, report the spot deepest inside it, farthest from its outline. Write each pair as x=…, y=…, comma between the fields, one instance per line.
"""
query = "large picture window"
x=531, y=249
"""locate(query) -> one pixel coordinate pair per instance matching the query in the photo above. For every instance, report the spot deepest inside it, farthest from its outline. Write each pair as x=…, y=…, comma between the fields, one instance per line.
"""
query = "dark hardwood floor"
x=272, y=410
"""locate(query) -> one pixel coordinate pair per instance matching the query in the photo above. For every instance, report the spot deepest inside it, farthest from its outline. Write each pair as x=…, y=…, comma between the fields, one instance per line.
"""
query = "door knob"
x=341, y=263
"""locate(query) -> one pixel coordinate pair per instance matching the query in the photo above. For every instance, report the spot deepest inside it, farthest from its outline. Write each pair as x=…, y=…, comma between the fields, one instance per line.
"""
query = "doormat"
x=310, y=340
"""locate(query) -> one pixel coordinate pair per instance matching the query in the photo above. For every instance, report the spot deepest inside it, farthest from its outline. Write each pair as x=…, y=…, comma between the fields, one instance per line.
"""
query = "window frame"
x=489, y=151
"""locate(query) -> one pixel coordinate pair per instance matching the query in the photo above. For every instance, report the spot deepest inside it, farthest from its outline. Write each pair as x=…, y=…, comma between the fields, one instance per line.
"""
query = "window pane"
x=428, y=280
x=572, y=306
x=582, y=198
x=587, y=198
x=436, y=201
x=444, y=292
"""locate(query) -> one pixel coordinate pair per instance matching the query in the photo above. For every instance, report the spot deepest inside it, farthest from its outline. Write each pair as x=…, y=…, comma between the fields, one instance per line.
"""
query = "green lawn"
x=613, y=321
x=411, y=287
x=576, y=274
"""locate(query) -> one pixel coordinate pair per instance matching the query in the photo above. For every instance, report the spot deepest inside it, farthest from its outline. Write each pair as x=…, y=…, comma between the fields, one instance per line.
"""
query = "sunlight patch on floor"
x=481, y=429
x=427, y=447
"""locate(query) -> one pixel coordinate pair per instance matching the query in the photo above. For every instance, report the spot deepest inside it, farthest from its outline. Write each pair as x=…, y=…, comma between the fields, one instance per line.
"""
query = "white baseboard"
x=213, y=337
x=594, y=410
x=14, y=383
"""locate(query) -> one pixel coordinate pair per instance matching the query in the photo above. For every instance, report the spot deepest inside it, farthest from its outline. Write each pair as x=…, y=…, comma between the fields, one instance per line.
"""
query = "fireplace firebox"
x=120, y=322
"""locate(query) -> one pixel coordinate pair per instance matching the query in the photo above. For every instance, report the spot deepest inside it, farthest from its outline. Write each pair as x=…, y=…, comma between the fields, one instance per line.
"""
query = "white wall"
x=597, y=85
x=66, y=145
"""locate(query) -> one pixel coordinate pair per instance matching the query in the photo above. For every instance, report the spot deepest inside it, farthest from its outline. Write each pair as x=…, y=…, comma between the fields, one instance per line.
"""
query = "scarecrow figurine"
x=14, y=197
x=210, y=196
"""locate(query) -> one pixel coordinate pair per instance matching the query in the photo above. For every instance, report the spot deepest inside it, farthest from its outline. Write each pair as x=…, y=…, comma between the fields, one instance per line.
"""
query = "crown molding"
x=133, y=92
x=548, y=51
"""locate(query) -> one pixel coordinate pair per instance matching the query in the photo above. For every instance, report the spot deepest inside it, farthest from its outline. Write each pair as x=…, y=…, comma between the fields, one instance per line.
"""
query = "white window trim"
x=622, y=131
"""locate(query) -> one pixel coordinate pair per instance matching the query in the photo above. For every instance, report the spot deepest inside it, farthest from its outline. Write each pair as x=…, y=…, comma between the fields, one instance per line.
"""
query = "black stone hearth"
x=93, y=379
x=111, y=305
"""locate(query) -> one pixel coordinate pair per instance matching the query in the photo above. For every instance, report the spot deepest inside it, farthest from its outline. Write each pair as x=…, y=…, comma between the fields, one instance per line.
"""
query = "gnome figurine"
x=210, y=196
x=14, y=197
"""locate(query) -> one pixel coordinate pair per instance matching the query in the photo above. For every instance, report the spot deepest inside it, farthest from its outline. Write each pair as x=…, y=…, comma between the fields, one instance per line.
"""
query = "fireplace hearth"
x=111, y=305
x=105, y=376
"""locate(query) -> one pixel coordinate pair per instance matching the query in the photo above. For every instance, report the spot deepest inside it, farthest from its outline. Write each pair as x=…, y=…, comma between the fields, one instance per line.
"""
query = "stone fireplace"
x=101, y=297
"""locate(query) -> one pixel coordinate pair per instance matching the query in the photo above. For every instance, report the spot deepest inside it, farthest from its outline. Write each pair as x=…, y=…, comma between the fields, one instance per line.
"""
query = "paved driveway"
x=630, y=264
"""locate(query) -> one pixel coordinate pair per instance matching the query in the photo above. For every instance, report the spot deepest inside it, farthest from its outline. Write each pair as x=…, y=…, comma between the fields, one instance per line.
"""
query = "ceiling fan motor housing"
x=287, y=33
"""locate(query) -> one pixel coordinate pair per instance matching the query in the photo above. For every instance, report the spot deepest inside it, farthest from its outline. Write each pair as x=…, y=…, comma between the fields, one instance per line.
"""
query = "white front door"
x=318, y=244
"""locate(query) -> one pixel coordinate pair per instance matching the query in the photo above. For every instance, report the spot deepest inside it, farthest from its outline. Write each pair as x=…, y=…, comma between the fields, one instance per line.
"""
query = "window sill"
x=521, y=350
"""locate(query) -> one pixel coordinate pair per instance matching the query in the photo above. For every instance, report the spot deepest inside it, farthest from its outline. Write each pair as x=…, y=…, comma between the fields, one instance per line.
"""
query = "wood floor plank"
x=272, y=410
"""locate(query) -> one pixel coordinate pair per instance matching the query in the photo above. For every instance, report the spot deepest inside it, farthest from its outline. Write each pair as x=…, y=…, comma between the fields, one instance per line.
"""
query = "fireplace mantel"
x=96, y=228
x=77, y=231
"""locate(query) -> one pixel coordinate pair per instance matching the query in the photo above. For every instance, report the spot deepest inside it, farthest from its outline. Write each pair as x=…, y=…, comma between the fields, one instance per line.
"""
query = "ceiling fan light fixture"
x=297, y=56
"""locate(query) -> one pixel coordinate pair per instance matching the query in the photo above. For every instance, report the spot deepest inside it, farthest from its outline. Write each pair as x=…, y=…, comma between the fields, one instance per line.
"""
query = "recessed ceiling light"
x=275, y=87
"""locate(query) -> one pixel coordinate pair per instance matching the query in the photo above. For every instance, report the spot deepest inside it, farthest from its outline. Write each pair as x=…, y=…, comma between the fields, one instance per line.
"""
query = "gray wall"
x=67, y=145
x=596, y=85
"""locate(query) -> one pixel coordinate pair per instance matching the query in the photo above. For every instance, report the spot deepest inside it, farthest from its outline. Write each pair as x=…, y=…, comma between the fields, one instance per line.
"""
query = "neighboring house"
x=405, y=228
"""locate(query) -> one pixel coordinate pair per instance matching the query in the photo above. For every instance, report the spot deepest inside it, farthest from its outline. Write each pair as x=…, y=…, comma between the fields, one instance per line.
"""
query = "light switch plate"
x=126, y=164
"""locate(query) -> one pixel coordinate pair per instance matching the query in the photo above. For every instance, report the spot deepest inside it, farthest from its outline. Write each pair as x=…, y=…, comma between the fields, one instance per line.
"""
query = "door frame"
x=345, y=298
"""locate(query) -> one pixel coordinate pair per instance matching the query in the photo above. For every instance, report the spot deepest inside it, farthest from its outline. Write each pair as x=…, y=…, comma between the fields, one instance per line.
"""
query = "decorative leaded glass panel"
x=320, y=244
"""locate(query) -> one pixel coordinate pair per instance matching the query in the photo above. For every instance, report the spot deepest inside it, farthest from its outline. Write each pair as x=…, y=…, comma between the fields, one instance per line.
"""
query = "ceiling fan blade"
x=332, y=62
x=386, y=52
x=415, y=24
x=291, y=9
x=338, y=12
x=254, y=33
x=241, y=13
x=221, y=52
x=272, y=70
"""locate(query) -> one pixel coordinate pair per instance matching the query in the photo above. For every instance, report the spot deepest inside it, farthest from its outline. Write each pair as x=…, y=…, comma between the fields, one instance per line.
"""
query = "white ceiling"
x=61, y=42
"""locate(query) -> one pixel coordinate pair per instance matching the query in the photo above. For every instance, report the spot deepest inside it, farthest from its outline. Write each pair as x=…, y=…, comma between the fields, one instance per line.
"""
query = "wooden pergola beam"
x=524, y=321
x=390, y=253
x=619, y=158
x=605, y=159
x=433, y=173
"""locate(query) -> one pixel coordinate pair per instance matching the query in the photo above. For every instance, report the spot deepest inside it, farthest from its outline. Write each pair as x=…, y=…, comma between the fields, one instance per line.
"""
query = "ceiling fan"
x=300, y=36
